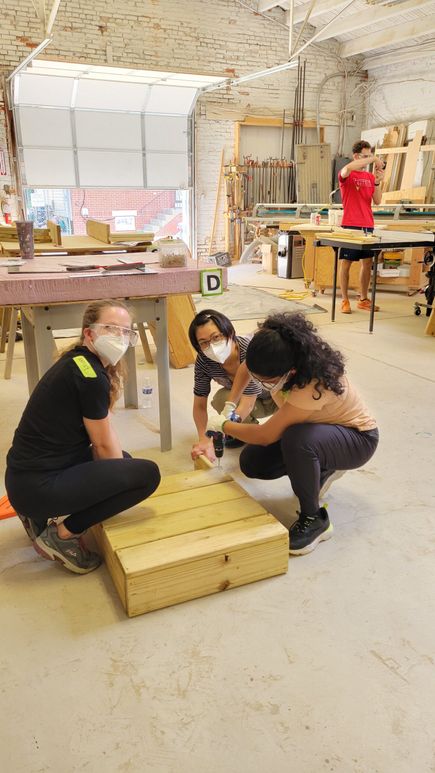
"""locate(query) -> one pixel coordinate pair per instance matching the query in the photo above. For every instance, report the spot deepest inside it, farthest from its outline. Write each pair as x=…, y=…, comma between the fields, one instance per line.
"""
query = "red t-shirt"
x=356, y=193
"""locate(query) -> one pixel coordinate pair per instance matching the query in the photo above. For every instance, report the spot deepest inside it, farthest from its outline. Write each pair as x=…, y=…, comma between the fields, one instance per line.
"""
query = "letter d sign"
x=211, y=281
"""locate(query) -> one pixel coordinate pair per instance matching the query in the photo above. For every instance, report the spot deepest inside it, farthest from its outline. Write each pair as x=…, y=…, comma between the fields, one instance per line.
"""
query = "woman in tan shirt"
x=322, y=425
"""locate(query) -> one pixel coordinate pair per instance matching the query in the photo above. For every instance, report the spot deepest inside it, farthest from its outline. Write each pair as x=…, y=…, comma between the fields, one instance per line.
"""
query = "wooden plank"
x=55, y=233
x=202, y=463
x=112, y=561
x=387, y=151
x=416, y=195
x=161, y=527
x=144, y=342
x=144, y=559
x=206, y=576
x=192, y=479
x=179, y=502
x=408, y=176
x=97, y=230
x=132, y=236
x=181, y=311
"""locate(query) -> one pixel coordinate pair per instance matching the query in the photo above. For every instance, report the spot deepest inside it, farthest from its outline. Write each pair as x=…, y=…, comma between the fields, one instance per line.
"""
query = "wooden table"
x=71, y=245
x=383, y=240
x=312, y=255
x=50, y=298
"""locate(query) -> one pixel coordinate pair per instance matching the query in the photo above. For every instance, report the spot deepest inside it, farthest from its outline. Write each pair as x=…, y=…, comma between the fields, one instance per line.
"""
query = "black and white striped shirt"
x=207, y=370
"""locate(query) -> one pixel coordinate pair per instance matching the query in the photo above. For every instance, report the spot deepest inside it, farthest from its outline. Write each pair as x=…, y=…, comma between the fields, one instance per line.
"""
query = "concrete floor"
x=327, y=668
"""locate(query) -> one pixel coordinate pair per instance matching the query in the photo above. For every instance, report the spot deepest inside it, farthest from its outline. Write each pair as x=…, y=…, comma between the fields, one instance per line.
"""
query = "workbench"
x=318, y=261
x=50, y=298
x=382, y=240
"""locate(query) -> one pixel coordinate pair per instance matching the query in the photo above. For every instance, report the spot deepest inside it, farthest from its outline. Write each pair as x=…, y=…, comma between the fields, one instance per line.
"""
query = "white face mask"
x=219, y=352
x=111, y=347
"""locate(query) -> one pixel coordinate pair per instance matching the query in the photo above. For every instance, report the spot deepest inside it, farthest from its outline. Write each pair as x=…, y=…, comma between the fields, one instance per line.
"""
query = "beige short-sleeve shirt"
x=346, y=409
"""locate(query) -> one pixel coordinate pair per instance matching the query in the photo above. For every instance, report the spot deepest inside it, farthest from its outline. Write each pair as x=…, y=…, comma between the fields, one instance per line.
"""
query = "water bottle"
x=147, y=394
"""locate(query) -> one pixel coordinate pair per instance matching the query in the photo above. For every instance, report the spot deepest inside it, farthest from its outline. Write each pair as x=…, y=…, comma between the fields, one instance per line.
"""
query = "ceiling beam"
x=396, y=56
x=322, y=6
x=396, y=34
x=368, y=18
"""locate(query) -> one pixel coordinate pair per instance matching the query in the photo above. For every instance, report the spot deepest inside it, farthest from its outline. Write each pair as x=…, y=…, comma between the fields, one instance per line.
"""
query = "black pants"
x=88, y=493
x=308, y=454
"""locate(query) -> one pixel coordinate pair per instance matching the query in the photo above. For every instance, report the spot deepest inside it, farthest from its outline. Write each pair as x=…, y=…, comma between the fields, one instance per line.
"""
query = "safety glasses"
x=117, y=330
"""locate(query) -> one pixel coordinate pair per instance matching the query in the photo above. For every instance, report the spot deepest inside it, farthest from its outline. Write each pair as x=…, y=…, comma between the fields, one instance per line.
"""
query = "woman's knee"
x=145, y=475
x=249, y=462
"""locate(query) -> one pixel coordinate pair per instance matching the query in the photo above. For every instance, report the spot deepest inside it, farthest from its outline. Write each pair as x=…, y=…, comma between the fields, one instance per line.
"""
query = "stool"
x=198, y=534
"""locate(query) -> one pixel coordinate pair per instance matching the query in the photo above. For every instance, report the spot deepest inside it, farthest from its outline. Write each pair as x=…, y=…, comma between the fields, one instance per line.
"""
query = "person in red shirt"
x=358, y=188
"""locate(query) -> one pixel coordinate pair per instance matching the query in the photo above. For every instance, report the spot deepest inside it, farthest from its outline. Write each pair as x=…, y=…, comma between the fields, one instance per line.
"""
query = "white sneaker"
x=334, y=476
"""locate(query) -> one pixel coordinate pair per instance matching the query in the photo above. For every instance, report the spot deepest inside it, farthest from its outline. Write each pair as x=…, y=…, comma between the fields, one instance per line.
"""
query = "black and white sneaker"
x=308, y=531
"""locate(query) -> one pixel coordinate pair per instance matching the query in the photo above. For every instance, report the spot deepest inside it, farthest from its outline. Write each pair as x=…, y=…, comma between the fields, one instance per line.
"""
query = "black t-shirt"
x=51, y=434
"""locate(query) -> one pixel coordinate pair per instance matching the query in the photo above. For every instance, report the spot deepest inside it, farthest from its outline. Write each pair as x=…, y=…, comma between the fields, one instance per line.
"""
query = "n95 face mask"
x=111, y=347
x=219, y=352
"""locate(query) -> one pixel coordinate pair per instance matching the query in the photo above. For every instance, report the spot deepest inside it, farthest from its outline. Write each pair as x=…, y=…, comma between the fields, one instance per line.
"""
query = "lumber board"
x=411, y=162
x=144, y=559
x=193, y=479
x=416, y=195
x=202, y=463
x=97, y=230
x=181, y=311
x=209, y=575
x=157, y=526
x=55, y=233
x=132, y=236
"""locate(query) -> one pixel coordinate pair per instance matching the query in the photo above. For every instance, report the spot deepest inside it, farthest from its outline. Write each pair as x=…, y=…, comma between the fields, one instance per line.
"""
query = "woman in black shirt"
x=66, y=459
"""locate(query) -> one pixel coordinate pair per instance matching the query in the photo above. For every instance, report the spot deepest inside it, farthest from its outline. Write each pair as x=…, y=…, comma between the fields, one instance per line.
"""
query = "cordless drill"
x=218, y=438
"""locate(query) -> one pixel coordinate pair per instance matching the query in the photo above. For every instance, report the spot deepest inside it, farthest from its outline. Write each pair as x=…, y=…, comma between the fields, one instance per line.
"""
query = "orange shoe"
x=345, y=307
x=366, y=304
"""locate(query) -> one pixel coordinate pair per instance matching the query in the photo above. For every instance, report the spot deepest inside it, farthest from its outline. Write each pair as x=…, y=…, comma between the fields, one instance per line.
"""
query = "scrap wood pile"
x=409, y=154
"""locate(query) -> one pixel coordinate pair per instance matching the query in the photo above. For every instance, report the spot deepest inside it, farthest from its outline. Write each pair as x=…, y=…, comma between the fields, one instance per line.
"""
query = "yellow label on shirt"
x=84, y=367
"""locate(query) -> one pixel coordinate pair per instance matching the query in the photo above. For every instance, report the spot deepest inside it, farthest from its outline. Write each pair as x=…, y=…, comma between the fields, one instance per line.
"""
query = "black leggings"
x=88, y=493
x=308, y=454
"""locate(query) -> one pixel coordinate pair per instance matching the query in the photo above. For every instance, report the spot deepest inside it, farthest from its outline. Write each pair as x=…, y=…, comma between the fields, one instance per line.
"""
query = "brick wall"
x=211, y=36
x=101, y=202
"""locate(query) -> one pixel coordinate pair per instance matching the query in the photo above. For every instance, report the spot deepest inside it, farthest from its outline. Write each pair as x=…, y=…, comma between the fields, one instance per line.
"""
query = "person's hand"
x=379, y=164
x=379, y=175
x=215, y=422
x=229, y=409
x=203, y=449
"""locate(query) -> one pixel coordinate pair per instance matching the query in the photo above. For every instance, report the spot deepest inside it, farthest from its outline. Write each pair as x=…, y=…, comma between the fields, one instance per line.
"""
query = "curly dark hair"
x=286, y=342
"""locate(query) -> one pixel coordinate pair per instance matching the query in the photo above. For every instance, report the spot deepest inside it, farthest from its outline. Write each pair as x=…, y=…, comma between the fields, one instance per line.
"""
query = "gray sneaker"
x=32, y=530
x=69, y=552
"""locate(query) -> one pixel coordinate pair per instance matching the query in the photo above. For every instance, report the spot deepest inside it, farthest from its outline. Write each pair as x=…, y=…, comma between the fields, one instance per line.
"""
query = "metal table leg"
x=334, y=284
x=162, y=361
x=374, y=278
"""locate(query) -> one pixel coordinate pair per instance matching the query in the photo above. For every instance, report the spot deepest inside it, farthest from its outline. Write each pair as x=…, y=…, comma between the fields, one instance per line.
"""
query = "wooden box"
x=199, y=533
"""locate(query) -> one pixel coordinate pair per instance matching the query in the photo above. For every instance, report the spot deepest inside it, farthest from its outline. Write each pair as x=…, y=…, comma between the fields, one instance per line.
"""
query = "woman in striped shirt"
x=220, y=352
